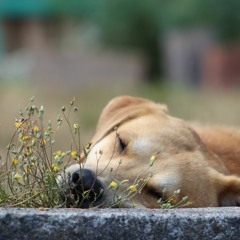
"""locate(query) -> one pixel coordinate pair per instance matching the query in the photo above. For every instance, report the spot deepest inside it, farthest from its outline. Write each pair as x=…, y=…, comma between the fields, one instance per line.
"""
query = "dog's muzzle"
x=84, y=189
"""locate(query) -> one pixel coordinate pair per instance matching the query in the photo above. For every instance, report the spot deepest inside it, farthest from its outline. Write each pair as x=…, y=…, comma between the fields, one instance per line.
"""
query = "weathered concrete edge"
x=207, y=223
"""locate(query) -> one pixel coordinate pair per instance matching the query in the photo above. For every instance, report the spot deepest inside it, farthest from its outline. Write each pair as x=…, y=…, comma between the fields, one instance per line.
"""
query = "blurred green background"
x=183, y=53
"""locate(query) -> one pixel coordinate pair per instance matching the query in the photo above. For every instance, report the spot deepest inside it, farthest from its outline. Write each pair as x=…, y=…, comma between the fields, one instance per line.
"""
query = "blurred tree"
x=141, y=24
x=220, y=16
x=123, y=24
x=78, y=9
x=135, y=25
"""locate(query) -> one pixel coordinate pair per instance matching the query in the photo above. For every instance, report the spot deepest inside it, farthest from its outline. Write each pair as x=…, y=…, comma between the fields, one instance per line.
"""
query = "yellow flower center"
x=15, y=162
x=73, y=154
x=133, y=188
x=113, y=184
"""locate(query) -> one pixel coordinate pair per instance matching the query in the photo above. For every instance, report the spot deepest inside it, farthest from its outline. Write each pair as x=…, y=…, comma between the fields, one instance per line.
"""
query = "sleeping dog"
x=137, y=139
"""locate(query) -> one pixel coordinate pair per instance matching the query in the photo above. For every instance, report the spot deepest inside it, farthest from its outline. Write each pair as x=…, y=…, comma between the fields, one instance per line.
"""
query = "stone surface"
x=120, y=224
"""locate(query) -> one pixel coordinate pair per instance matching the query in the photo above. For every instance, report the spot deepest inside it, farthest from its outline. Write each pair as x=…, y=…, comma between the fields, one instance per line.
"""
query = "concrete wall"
x=208, y=223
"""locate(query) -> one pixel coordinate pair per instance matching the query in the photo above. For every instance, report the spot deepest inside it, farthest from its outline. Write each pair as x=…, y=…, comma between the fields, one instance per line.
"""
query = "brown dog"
x=203, y=162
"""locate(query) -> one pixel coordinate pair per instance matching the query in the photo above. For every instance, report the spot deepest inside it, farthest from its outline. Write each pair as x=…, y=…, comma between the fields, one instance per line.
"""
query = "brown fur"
x=203, y=162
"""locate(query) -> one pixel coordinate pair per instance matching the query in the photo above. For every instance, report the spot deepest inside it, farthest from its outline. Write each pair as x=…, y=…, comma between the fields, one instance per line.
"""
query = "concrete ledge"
x=207, y=223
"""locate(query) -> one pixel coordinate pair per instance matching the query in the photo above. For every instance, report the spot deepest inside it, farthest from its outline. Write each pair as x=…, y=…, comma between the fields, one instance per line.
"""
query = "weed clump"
x=29, y=177
x=172, y=202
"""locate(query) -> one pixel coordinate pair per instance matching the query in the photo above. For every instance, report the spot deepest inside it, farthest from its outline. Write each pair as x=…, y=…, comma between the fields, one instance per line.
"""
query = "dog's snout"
x=86, y=179
x=86, y=187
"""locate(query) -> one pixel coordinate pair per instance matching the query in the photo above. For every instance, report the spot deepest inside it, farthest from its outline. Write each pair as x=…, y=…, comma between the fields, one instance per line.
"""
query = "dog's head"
x=132, y=130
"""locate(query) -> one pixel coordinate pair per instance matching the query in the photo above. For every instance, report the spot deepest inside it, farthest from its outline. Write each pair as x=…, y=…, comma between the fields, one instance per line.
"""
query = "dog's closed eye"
x=122, y=145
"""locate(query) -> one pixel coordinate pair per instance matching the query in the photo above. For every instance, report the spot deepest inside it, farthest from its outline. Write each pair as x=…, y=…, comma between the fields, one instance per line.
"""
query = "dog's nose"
x=86, y=187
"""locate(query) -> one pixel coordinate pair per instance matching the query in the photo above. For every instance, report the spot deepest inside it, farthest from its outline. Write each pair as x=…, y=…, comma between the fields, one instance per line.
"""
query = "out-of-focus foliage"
x=122, y=21
x=221, y=16
x=140, y=24
x=80, y=9
x=137, y=25
x=129, y=23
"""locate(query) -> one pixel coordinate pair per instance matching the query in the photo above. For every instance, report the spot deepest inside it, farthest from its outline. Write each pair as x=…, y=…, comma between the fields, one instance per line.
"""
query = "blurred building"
x=184, y=55
x=221, y=66
x=25, y=24
x=38, y=43
x=195, y=57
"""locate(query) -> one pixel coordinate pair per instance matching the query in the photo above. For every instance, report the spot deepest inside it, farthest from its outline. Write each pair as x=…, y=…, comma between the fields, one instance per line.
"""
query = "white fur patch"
x=169, y=181
x=141, y=145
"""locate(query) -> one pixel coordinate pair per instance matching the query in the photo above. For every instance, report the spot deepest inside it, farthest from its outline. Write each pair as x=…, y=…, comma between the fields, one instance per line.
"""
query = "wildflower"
x=134, y=205
x=133, y=188
x=40, y=113
x=36, y=193
x=172, y=200
x=29, y=153
x=73, y=154
x=59, y=121
x=18, y=124
x=185, y=198
x=113, y=185
x=164, y=191
x=25, y=138
x=55, y=168
x=52, y=142
x=43, y=142
x=76, y=128
x=175, y=193
x=19, y=178
x=59, y=157
x=152, y=159
x=36, y=129
x=72, y=102
x=41, y=110
x=32, y=99
x=15, y=162
x=33, y=142
x=58, y=153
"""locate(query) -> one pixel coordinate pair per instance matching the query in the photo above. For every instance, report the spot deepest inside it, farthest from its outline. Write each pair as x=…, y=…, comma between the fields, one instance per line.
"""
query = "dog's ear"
x=229, y=190
x=122, y=109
